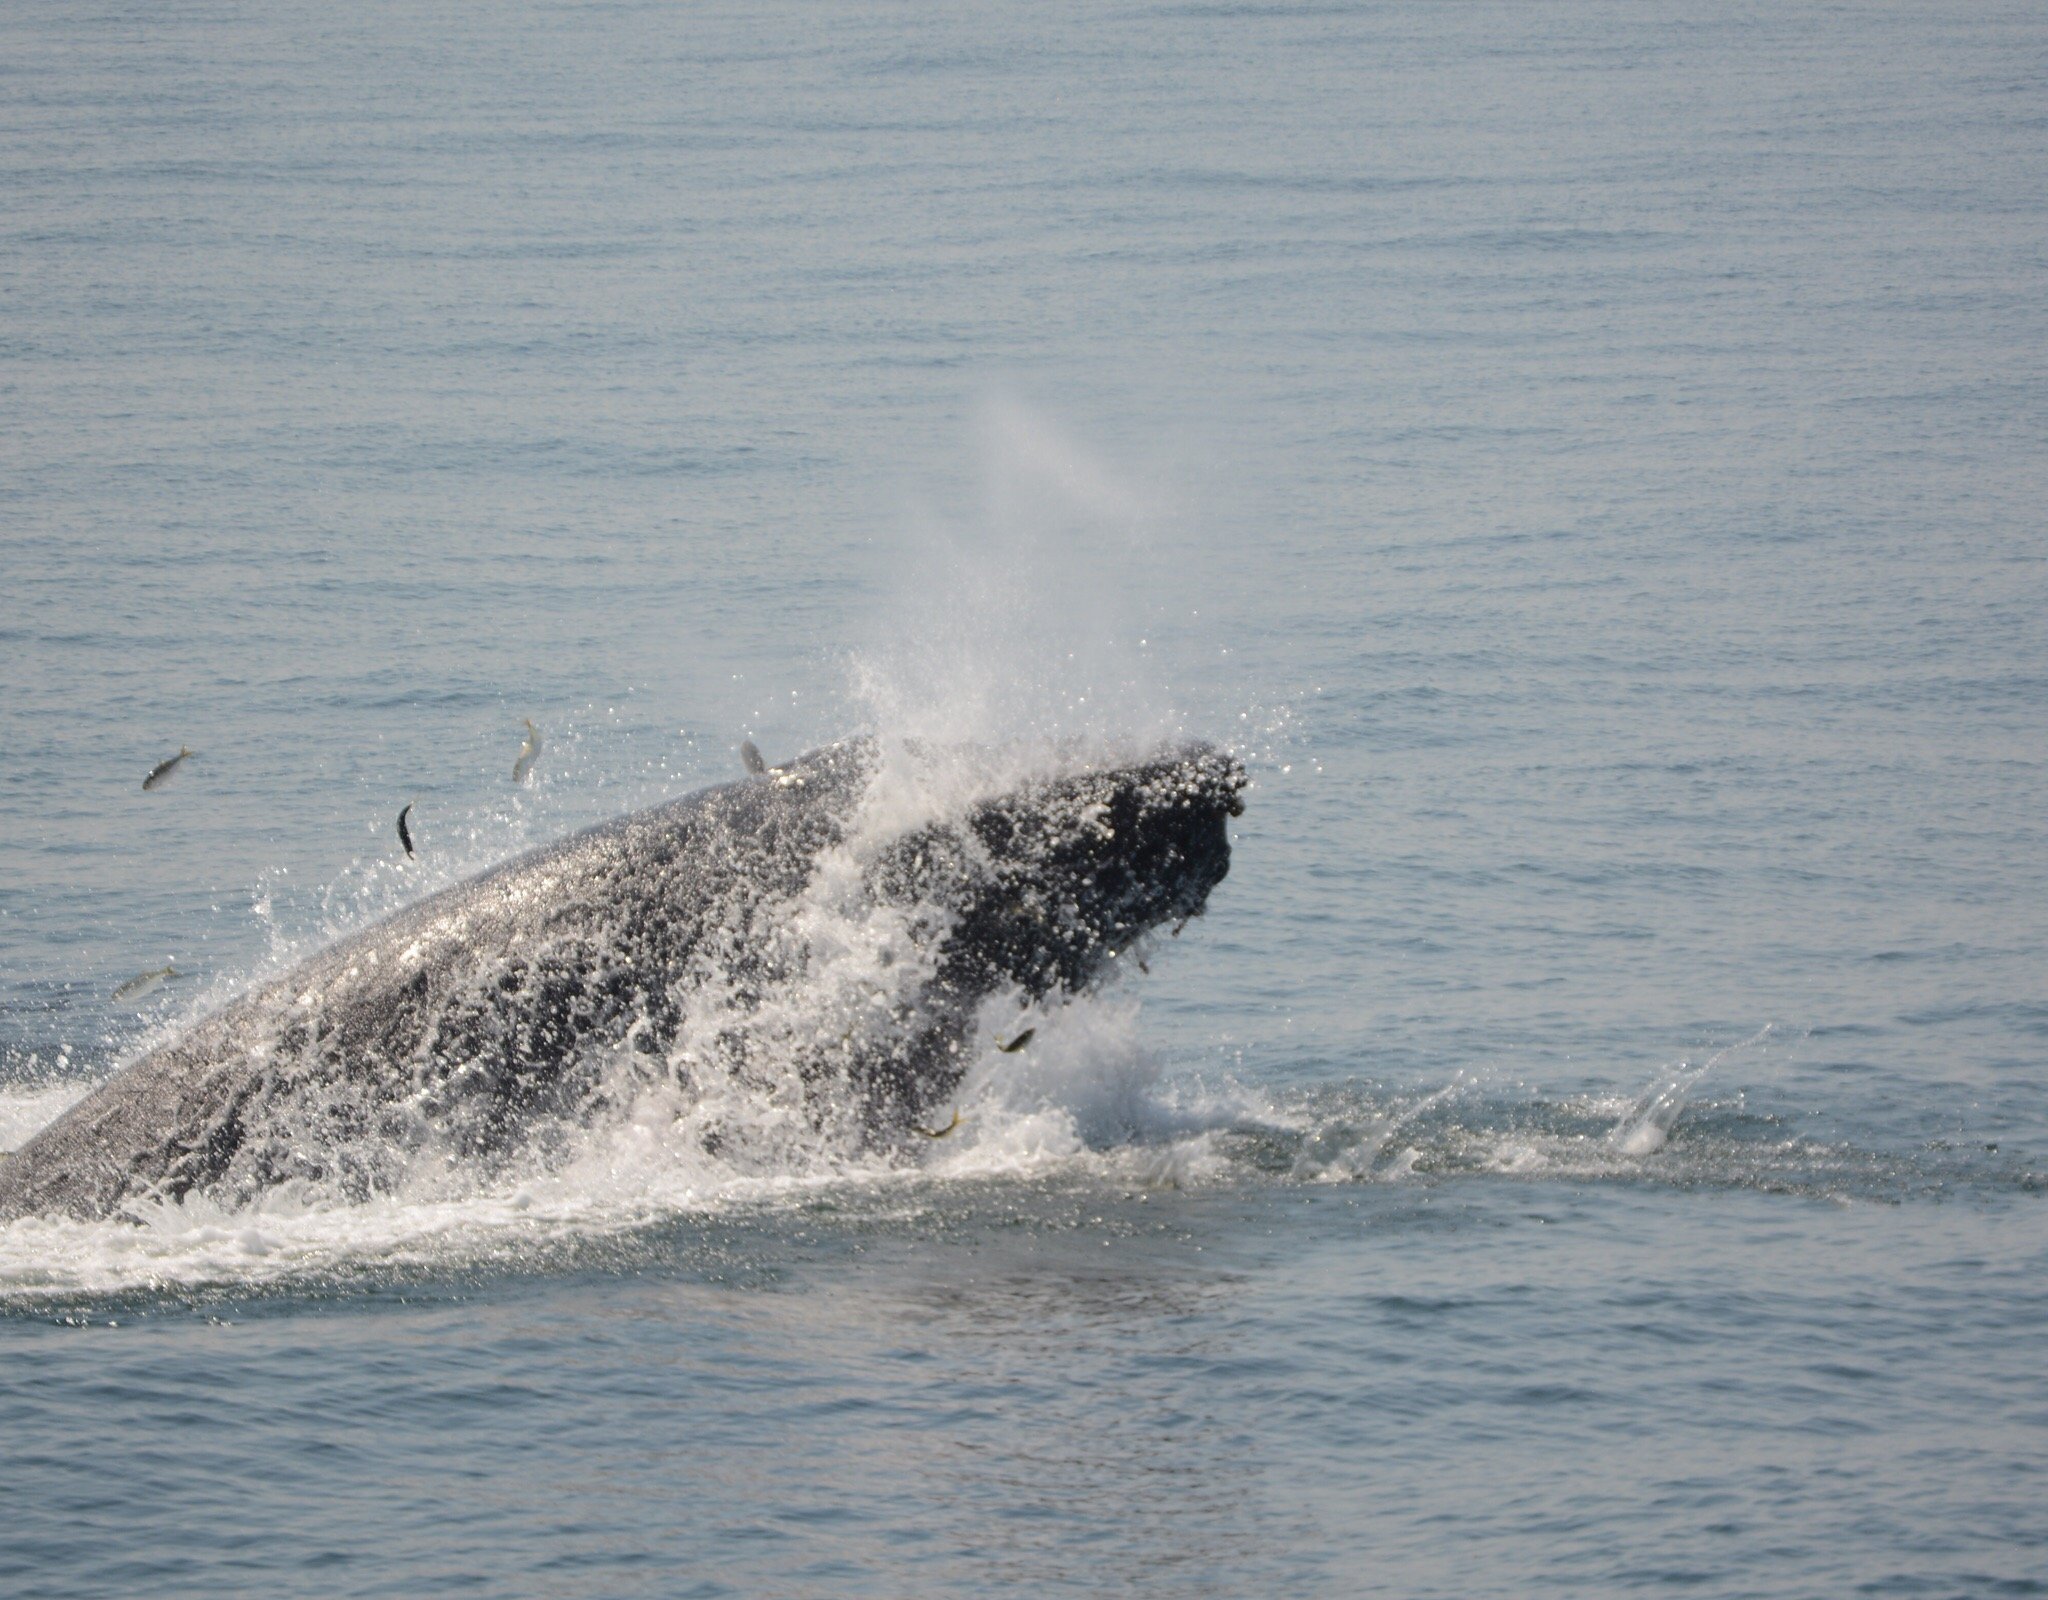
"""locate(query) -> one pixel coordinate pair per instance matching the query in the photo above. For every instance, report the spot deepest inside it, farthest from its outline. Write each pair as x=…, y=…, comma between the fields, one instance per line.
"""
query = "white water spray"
x=1647, y=1126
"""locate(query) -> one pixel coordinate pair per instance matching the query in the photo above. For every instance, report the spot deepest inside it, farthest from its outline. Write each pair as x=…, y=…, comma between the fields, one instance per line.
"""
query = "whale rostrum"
x=778, y=939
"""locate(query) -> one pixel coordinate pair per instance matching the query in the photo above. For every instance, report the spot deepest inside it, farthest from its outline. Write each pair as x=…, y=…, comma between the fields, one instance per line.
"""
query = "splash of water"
x=1647, y=1126
x=1019, y=646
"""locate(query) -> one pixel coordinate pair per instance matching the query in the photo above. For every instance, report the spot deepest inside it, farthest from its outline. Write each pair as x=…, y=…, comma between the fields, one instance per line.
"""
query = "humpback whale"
x=789, y=936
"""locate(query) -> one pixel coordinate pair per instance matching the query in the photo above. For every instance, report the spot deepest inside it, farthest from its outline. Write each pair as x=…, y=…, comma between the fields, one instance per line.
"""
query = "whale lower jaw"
x=763, y=943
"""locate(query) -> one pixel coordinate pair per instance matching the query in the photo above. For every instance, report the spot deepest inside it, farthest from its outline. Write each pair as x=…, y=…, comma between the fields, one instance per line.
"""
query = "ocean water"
x=1588, y=461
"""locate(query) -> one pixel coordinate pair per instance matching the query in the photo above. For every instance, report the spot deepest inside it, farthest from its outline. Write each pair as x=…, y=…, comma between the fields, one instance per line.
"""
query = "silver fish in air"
x=144, y=983
x=164, y=771
x=528, y=752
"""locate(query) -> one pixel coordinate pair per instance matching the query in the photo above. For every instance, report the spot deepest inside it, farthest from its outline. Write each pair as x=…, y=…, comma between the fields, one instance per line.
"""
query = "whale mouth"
x=1064, y=873
x=1028, y=888
x=1140, y=844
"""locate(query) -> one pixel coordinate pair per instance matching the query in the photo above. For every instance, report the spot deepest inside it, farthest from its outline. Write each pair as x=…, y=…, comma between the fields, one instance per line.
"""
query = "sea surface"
x=1588, y=459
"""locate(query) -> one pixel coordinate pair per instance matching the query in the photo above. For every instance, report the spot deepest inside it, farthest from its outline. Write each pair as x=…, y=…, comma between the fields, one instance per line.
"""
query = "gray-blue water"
x=1588, y=458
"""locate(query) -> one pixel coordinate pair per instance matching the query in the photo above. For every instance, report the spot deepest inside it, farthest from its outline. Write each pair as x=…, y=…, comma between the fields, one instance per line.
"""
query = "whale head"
x=1073, y=870
x=1034, y=888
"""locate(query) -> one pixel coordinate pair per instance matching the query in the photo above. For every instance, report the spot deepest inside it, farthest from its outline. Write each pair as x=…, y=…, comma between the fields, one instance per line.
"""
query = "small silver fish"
x=1017, y=1043
x=164, y=771
x=750, y=758
x=144, y=983
x=939, y=1133
x=404, y=835
x=527, y=752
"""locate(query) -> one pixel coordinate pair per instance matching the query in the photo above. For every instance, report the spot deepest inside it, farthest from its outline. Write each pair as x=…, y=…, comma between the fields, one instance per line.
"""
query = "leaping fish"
x=164, y=771
x=144, y=983
x=527, y=752
x=757, y=767
x=939, y=1133
x=1017, y=1043
x=404, y=835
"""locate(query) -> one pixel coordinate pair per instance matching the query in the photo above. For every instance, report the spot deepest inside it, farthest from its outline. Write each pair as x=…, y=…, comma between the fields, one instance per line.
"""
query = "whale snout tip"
x=1210, y=776
x=1184, y=801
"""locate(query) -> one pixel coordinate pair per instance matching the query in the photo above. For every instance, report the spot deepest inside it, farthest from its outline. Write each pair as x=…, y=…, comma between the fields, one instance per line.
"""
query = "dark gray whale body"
x=663, y=947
